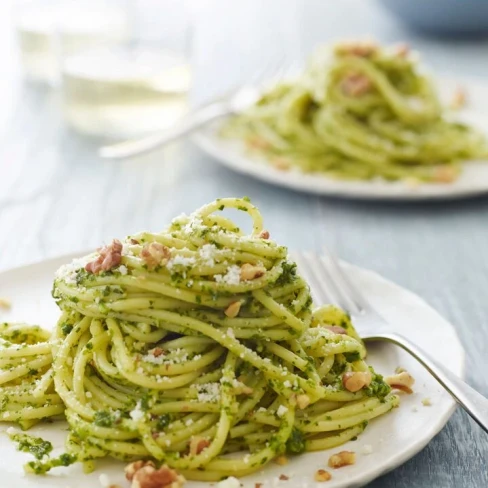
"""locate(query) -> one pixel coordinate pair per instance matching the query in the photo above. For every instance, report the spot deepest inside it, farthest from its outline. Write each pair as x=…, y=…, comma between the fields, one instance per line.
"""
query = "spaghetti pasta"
x=359, y=112
x=195, y=347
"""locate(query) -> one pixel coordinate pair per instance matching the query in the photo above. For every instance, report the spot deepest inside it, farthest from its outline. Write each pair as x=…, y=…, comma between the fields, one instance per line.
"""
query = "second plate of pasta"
x=366, y=123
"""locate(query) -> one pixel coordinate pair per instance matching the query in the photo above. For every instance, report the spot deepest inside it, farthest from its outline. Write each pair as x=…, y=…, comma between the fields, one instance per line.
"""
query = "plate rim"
x=399, y=458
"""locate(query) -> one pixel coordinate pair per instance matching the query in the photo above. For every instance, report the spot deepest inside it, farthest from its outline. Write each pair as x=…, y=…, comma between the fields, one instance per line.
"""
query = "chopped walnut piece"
x=281, y=460
x=5, y=303
x=281, y=163
x=363, y=49
x=108, y=258
x=264, y=234
x=303, y=401
x=401, y=381
x=336, y=329
x=258, y=485
x=157, y=351
x=233, y=309
x=356, y=84
x=150, y=477
x=257, y=142
x=239, y=388
x=322, y=475
x=355, y=381
x=130, y=469
x=412, y=182
x=251, y=272
x=283, y=477
x=155, y=254
x=198, y=444
x=246, y=390
x=133, y=241
x=343, y=458
x=445, y=174
x=459, y=98
x=402, y=50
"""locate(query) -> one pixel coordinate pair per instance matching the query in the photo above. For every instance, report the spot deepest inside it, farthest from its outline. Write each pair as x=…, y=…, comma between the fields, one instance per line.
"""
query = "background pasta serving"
x=359, y=111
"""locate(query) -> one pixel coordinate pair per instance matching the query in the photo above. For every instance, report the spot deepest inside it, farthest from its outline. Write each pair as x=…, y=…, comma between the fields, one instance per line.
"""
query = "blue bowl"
x=442, y=17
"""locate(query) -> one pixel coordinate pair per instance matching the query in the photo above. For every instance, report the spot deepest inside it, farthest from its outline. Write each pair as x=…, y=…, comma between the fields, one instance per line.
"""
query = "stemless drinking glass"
x=45, y=27
x=134, y=87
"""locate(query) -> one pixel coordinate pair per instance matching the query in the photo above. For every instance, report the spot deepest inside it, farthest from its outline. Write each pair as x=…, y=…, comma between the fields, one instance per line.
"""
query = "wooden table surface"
x=57, y=197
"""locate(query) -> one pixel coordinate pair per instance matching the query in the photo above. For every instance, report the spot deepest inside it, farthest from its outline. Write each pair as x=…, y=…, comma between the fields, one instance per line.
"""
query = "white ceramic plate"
x=393, y=438
x=473, y=181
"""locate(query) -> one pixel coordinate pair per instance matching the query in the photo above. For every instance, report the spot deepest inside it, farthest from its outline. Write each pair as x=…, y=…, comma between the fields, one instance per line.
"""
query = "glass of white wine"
x=47, y=30
x=133, y=87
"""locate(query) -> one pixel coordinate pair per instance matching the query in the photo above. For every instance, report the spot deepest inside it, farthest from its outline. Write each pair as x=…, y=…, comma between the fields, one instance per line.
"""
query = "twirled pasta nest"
x=196, y=347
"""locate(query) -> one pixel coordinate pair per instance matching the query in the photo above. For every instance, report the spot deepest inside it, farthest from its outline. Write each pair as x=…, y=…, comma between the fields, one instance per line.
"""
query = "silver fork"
x=235, y=102
x=330, y=284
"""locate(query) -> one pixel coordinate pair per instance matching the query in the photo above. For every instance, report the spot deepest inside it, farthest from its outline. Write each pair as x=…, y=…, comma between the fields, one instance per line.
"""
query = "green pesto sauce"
x=378, y=387
x=42, y=467
x=102, y=418
x=352, y=356
x=66, y=329
x=296, y=442
x=34, y=445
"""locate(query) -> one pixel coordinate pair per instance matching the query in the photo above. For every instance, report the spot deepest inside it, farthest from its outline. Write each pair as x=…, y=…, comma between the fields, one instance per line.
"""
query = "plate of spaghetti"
x=361, y=121
x=196, y=357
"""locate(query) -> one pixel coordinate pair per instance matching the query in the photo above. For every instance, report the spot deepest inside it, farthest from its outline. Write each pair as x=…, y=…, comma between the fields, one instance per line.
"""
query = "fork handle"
x=187, y=124
x=475, y=404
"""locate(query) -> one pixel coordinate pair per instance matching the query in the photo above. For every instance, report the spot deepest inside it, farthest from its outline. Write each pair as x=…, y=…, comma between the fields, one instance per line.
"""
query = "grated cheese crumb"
x=137, y=414
x=367, y=449
x=208, y=392
x=67, y=272
x=123, y=270
x=179, y=356
x=281, y=410
x=426, y=402
x=207, y=253
x=180, y=261
x=104, y=480
x=195, y=224
x=232, y=277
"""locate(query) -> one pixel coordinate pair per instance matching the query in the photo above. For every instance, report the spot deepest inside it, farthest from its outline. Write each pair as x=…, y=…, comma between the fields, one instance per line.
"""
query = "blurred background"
x=77, y=74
